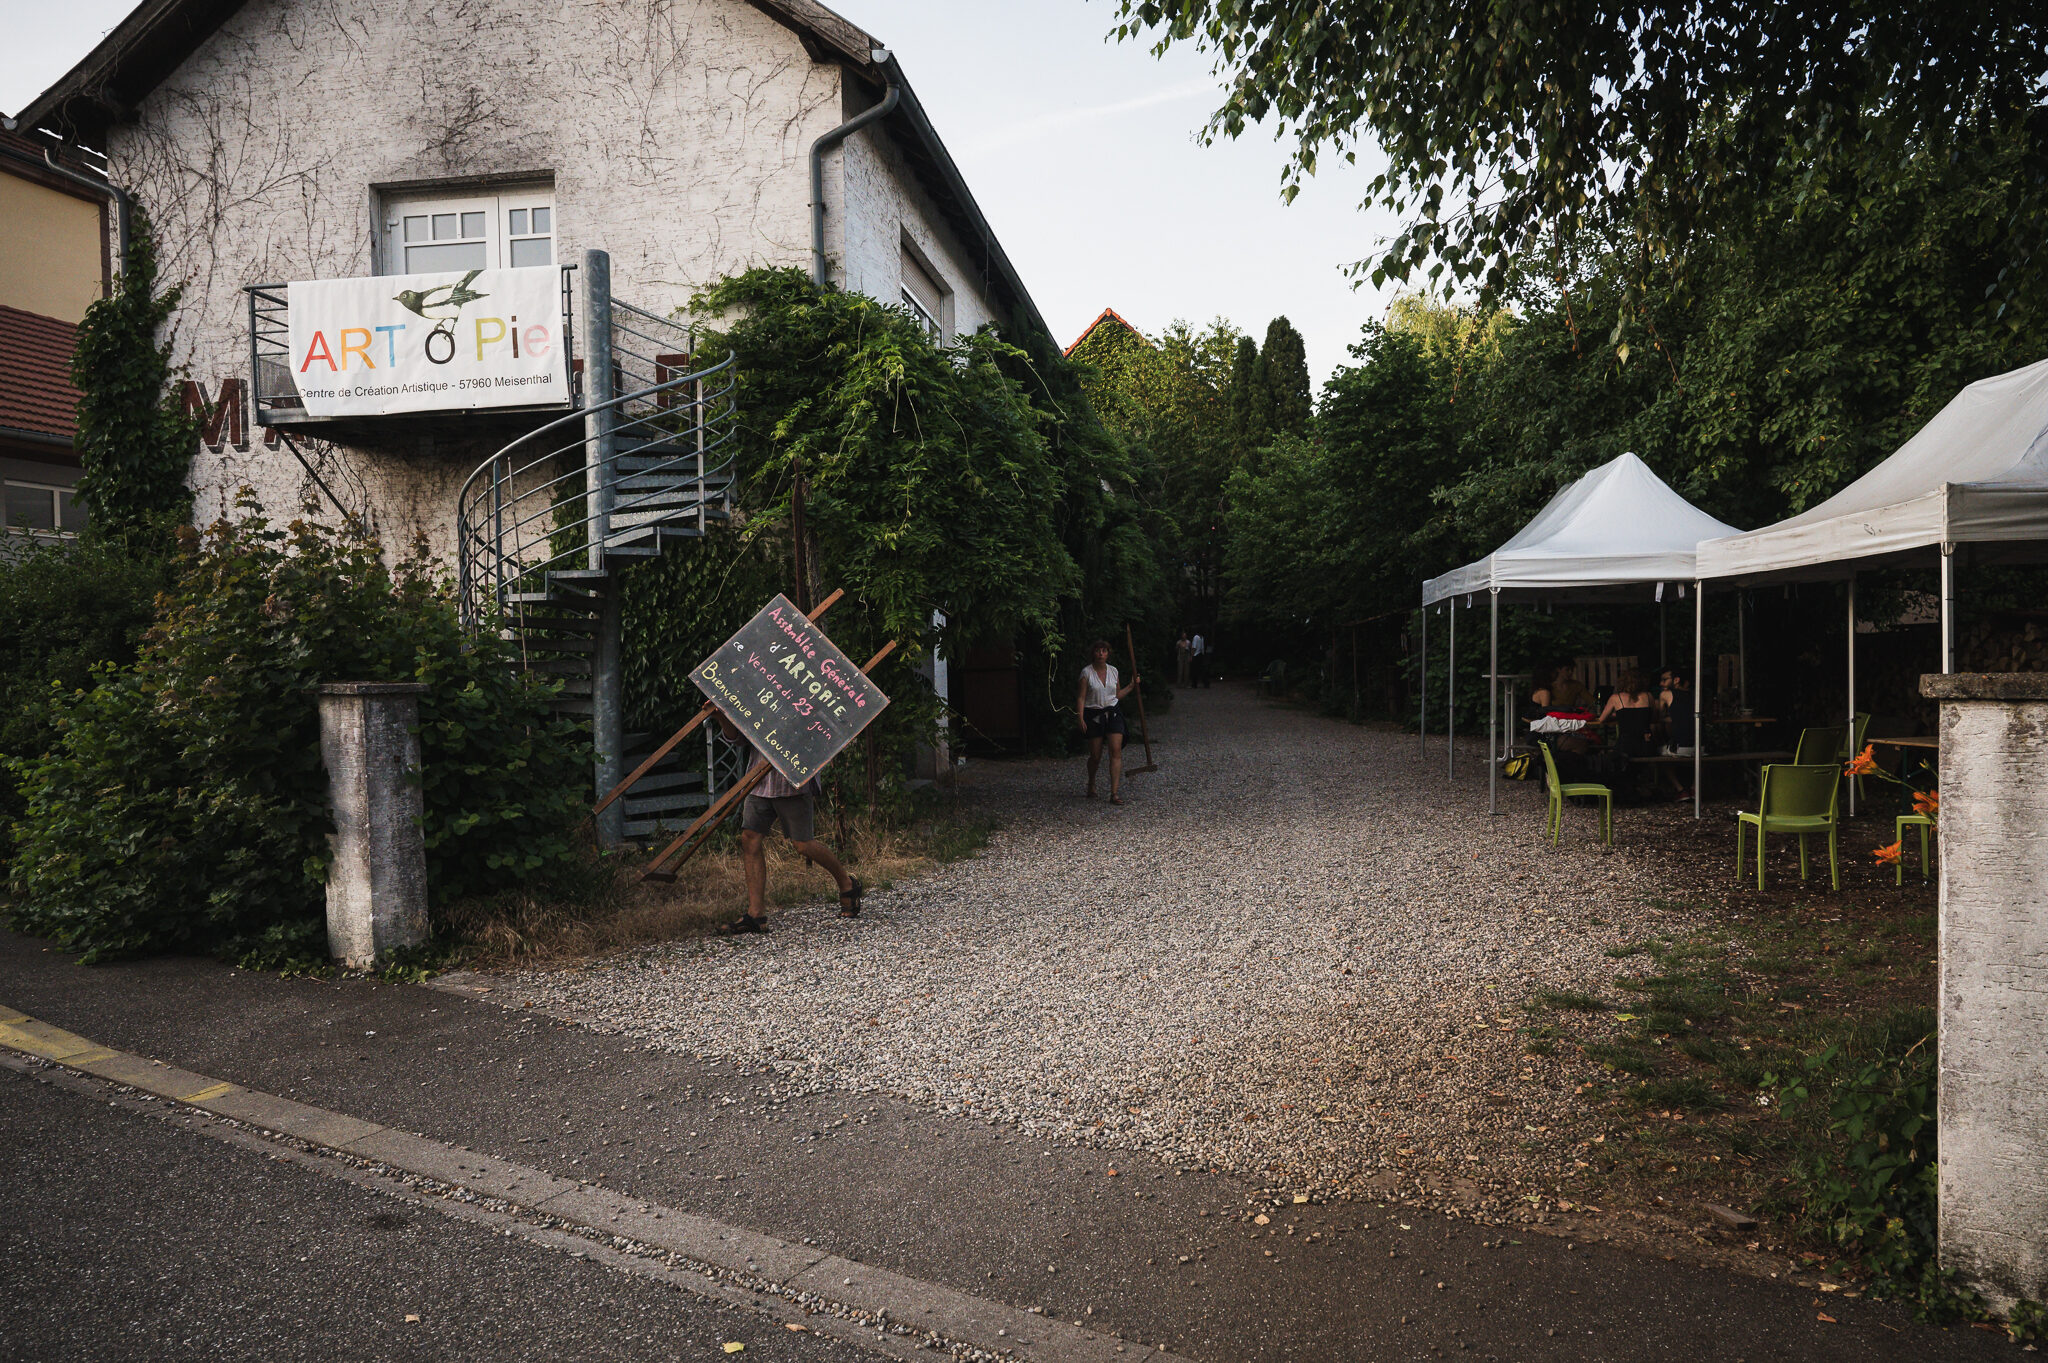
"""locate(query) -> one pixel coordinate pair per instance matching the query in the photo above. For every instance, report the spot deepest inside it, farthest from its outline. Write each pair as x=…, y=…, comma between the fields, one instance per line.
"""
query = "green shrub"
x=183, y=804
x=64, y=606
x=1870, y=1191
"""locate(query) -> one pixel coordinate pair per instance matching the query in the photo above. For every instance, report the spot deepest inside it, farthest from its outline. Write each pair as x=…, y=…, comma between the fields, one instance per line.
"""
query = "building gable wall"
x=675, y=133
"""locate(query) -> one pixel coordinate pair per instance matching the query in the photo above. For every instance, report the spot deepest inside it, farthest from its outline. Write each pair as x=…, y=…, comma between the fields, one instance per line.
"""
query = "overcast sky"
x=1081, y=153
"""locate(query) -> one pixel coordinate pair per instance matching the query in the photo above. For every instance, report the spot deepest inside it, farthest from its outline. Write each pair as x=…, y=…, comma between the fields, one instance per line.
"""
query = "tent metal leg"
x=1451, y=692
x=1741, y=649
x=1493, y=701
x=1852, y=685
x=1948, y=608
x=1422, y=690
x=1699, y=689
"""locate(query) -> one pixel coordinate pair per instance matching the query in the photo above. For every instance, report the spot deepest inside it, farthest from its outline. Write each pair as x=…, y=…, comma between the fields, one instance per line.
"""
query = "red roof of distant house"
x=1107, y=314
x=36, y=395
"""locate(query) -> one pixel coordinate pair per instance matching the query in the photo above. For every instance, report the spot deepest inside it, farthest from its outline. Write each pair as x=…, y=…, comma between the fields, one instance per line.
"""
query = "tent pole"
x=1451, y=691
x=1663, y=650
x=1422, y=689
x=1493, y=702
x=1699, y=686
x=1948, y=608
x=1741, y=649
x=1852, y=685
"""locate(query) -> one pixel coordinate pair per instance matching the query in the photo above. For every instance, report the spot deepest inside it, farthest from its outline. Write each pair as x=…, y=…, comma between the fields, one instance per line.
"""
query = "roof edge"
x=158, y=35
x=1107, y=314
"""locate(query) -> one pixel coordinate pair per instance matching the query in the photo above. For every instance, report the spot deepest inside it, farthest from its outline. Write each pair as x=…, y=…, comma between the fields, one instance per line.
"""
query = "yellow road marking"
x=211, y=1091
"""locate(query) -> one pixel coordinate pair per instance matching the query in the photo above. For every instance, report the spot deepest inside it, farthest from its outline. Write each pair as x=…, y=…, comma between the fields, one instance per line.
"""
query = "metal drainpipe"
x=121, y=200
x=825, y=143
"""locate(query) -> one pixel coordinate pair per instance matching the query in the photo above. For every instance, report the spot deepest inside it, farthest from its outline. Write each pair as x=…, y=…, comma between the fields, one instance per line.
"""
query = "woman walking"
x=1102, y=719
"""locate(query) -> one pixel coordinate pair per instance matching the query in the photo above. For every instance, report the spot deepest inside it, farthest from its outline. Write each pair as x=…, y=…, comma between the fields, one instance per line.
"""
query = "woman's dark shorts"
x=1105, y=721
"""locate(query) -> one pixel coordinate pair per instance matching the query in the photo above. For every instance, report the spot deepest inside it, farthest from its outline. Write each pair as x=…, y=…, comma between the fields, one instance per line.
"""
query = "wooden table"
x=1928, y=744
x=1739, y=719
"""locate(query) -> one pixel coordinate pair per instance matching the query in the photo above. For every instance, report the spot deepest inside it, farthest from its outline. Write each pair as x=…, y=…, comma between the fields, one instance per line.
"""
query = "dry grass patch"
x=606, y=908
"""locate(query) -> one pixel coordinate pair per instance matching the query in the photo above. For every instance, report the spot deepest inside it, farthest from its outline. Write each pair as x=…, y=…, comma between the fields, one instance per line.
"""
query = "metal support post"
x=607, y=714
x=594, y=321
x=1948, y=608
x=1451, y=692
x=1492, y=701
x=1699, y=688
x=607, y=690
x=1852, y=687
x=1422, y=690
x=1741, y=650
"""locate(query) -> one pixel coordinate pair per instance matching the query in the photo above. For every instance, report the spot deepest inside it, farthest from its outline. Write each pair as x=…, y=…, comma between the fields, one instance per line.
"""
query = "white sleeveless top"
x=1101, y=694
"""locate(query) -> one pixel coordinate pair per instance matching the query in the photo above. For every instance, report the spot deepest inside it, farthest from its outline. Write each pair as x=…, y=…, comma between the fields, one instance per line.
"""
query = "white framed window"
x=922, y=292
x=428, y=233
x=43, y=508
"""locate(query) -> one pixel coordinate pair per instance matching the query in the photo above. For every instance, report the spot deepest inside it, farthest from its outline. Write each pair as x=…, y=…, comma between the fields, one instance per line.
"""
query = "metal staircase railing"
x=526, y=521
x=544, y=526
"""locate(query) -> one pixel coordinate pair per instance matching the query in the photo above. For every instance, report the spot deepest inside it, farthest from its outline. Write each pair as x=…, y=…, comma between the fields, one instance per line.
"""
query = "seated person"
x=1558, y=704
x=1675, y=704
x=1538, y=704
x=1632, y=709
x=1566, y=691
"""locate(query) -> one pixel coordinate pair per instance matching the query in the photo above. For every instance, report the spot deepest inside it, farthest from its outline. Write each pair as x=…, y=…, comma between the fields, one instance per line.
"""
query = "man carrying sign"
x=796, y=808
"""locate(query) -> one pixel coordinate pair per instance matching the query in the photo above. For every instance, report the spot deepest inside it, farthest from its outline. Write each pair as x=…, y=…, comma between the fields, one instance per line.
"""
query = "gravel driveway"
x=1295, y=953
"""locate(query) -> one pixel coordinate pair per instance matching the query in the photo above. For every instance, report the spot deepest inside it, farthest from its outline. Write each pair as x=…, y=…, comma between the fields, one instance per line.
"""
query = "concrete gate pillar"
x=1993, y=1113
x=377, y=872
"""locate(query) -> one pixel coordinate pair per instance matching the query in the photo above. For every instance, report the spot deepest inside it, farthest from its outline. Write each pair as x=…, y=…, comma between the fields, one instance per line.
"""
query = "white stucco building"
x=613, y=158
x=283, y=140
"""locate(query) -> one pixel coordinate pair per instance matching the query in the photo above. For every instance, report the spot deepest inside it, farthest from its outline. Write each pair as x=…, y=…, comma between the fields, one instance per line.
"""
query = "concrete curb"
x=955, y=1316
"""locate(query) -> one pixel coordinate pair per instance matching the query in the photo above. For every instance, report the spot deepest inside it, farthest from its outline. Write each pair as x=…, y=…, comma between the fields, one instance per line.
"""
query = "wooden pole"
x=1144, y=729
x=709, y=820
x=665, y=749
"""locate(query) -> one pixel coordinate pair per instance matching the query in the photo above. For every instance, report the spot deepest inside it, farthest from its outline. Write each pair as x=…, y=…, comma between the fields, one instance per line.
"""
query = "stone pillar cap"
x=372, y=688
x=1985, y=685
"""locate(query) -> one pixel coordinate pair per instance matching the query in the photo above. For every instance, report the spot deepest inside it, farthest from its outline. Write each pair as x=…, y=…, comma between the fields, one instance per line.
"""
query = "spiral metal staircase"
x=547, y=524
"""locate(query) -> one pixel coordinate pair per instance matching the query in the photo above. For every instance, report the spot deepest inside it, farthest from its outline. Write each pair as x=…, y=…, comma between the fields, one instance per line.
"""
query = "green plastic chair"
x=1823, y=745
x=1553, y=822
x=1797, y=799
x=1904, y=822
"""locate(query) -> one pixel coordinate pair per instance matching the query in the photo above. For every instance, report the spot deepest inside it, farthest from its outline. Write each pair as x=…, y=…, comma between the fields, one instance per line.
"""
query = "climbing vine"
x=135, y=440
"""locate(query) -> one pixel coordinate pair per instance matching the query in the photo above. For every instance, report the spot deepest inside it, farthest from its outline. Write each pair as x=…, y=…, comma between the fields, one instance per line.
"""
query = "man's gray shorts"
x=797, y=813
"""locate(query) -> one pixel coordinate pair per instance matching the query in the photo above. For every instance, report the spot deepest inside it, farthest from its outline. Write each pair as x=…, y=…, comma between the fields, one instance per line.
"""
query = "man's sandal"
x=849, y=900
x=745, y=923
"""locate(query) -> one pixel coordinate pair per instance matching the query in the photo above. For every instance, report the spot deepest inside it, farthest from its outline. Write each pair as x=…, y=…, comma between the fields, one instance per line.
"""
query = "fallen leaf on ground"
x=1822, y=1315
x=735, y=1348
x=412, y=1320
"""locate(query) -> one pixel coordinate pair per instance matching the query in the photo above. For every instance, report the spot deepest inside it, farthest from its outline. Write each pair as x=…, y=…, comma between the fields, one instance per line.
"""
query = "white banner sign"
x=429, y=343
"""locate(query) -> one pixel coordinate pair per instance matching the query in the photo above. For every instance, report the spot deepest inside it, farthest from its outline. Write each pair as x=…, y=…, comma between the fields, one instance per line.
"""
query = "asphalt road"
x=126, y=1236
x=127, y=1224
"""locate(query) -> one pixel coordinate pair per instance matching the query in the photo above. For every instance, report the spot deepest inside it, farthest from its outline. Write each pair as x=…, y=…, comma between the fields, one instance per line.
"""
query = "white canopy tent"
x=1976, y=474
x=1617, y=528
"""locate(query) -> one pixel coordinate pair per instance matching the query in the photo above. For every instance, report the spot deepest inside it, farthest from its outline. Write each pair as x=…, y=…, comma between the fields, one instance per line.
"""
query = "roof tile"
x=35, y=374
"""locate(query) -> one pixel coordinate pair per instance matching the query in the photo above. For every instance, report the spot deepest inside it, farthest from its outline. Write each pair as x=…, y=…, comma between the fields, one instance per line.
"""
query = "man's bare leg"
x=822, y=858
x=1116, y=767
x=754, y=858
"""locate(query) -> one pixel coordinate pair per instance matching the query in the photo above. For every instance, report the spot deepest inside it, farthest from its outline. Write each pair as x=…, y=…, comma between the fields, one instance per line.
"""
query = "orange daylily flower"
x=1886, y=855
x=1927, y=802
x=1865, y=762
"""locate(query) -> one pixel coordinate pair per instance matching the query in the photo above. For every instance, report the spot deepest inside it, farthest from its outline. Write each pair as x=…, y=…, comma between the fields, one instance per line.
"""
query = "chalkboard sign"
x=791, y=691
